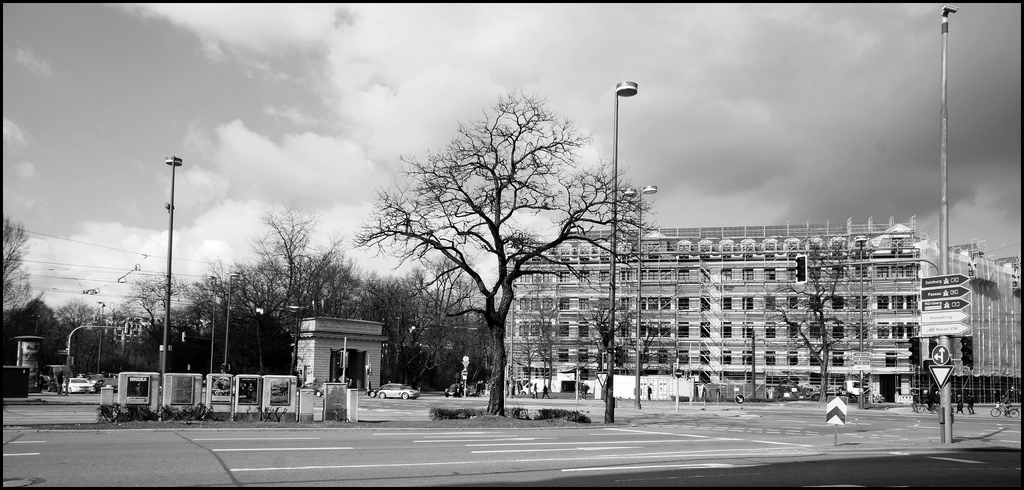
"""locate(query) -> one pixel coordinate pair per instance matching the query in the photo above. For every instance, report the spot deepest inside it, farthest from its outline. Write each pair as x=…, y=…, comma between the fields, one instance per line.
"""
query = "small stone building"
x=322, y=342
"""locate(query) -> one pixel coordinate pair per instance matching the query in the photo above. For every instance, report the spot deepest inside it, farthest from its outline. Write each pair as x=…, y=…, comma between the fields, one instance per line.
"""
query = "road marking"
x=648, y=467
x=20, y=454
x=27, y=442
x=478, y=440
x=251, y=449
x=257, y=439
x=783, y=443
x=539, y=450
x=957, y=460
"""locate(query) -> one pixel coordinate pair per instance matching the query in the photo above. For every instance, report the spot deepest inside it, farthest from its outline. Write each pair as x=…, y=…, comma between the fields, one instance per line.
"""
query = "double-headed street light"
x=174, y=162
x=623, y=89
x=633, y=193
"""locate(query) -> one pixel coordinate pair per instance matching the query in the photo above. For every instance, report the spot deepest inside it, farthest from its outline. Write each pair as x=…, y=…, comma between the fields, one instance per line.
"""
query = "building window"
x=838, y=303
x=838, y=331
x=727, y=357
x=684, y=329
x=769, y=331
x=794, y=358
x=705, y=303
x=883, y=302
x=838, y=359
x=726, y=330
x=584, y=303
x=705, y=330
x=582, y=356
x=726, y=274
x=794, y=302
x=748, y=331
x=682, y=303
x=563, y=355
x=891, y=359
x=662, y=356
x=747, y=357
x=748, y=303
x=769, y=358
x=794, y=331
x=563, y=329
x=769, y=303
x=705, y=356
x=770, y=274
x=684, y=357
x=748, y=274
x=563, y=304
x=727, y=303
x=882, y=330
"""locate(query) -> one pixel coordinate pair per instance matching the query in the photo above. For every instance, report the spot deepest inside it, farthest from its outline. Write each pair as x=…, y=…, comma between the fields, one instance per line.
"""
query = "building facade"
x=711, y=303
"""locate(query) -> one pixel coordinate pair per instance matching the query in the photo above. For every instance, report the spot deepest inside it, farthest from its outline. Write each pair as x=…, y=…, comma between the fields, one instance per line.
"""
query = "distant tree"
x=480, y=203
x=16, y=286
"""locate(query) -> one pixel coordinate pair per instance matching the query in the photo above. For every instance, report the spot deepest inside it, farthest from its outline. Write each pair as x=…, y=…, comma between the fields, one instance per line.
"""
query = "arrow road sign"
x=944, y=316
x=944, y=304
x=943, y=281
x=953, y=329
x=940, y=374
x=835, y=412
x=944, y=293
x=940, y=354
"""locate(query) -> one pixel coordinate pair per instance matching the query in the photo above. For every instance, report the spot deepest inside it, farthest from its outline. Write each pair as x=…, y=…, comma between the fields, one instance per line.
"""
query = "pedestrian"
x=970, y=403
x=533, y=390
x=585, y=388
x=545, y=393
x=649, y=391
x=928, y=401
x=60, y=383
x=959, y=404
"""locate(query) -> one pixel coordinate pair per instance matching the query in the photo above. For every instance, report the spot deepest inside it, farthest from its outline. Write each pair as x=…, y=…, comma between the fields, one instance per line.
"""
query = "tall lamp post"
x=174, y=162
x=226, y=366
x=631, y=193
x=861, y=241
x=946, y=406
x=623, y=89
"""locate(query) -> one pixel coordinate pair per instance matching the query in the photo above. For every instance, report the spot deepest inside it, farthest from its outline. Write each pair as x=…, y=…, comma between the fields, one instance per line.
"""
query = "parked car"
x=97, y=381
x=80, y=385
x=454, y=390
x=397, y=390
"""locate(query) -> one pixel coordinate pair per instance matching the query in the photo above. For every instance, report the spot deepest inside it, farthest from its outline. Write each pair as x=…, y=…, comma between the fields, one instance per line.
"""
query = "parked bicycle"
x=1006, y=411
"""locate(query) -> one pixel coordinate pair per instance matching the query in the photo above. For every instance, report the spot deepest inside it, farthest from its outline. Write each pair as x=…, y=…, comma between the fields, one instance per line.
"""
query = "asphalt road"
x=701, y=445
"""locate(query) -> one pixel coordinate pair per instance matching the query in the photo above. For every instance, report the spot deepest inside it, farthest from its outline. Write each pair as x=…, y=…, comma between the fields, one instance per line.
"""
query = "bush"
x=117, y=412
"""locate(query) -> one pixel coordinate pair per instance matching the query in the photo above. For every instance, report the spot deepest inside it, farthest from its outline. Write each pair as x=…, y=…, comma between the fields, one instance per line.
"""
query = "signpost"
x=835, y=414
x=943, y=299
x=861, y=361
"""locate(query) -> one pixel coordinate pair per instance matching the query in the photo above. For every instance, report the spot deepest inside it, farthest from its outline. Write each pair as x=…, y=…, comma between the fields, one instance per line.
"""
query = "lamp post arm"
x=68, y=346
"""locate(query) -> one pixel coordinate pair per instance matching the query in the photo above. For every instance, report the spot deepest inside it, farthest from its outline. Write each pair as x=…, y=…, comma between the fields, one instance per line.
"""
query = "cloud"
x=28, y=60
x=13, y=135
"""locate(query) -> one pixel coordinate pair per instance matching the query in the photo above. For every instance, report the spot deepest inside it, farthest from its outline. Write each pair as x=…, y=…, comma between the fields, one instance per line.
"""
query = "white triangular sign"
x=941, y=374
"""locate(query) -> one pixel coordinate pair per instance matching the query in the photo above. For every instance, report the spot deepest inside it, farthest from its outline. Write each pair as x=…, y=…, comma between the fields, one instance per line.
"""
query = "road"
x=767, y=446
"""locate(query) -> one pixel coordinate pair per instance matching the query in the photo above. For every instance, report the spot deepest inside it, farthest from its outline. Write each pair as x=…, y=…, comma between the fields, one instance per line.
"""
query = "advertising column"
x=28, y=356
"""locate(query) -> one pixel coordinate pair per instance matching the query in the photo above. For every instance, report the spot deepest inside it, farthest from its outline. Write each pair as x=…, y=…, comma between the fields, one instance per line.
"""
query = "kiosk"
x=182, y=389
x=139, y=388
x=279, y=396
x=248, y=401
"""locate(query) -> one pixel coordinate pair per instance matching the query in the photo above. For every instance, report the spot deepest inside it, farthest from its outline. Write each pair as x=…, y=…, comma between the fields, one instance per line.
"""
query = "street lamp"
x=174, y=162
x=226, y=366
x=631, y=193
x=860, y=241
x=623, y=89
x=946, y=429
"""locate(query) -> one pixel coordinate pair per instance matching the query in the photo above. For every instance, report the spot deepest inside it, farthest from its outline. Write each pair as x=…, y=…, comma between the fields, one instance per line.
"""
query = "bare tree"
x=479, y=201
x=16, y=286
x=813, y=315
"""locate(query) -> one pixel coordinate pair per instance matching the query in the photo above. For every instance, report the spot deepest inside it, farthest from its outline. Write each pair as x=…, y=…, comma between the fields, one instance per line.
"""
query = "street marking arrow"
x=835, y=412
x=940, y=374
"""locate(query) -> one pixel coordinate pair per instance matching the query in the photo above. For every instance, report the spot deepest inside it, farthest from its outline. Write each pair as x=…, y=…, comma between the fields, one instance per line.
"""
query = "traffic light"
x=967, y=351
x=801, y=269
x=915, y=351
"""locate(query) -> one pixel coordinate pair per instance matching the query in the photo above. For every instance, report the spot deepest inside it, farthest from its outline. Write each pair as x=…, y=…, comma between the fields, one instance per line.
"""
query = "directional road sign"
x=944, y=316
x=940, y=354
x=861, y=361
x=940, y=374
x=945, y=293
x=953, y=329
x=835, y=412
x=944, y=304
x=943, y=281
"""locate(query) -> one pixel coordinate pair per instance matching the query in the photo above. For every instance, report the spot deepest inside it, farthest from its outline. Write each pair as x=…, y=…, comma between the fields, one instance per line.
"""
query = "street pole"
x=174, y=162
x=213, y=319
x=945, y=424
x=226, y=366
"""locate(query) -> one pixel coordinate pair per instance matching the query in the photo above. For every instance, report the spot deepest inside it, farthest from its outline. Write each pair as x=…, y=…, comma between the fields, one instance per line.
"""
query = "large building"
x=724, y=306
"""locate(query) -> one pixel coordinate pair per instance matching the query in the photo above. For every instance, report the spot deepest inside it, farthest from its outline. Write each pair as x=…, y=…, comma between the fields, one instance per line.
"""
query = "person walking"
x=60, y=383
x=959, y=404
x=584, y=389
x=649, y=391
x=970, y=403
x=545, y=393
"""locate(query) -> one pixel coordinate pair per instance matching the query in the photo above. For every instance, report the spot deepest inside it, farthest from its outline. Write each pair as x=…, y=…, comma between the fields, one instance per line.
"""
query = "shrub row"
x=516, y=412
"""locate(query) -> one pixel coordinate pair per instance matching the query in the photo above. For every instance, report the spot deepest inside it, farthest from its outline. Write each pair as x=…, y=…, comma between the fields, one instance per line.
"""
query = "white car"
x=80, y=385
x=397, y=390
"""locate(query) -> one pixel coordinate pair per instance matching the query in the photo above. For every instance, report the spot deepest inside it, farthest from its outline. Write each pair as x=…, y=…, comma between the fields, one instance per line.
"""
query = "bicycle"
x=1006, y=410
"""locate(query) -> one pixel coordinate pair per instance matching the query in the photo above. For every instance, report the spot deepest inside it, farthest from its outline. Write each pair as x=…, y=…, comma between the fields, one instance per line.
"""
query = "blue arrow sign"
x=943, y=281
x=944, y=304
x=944, y=293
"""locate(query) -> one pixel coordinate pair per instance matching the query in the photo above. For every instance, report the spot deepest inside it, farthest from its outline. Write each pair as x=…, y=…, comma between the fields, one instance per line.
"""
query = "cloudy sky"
x=756, y=114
